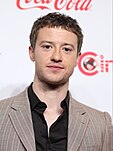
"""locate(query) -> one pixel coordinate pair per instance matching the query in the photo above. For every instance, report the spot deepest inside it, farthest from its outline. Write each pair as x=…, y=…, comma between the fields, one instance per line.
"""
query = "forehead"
x=57, y=34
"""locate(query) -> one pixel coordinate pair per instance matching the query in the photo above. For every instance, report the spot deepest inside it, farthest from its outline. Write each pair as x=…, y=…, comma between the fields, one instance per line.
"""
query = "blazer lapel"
x=20, y=116
x=78, y=122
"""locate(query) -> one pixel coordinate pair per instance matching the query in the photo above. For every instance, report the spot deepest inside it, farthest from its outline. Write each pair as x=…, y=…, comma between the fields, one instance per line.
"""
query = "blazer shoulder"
x=95, y=115
x=6, y=103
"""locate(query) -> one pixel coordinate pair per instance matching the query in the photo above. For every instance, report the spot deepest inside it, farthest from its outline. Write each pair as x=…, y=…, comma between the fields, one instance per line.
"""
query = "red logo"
x=57, y=4
x=90, y=63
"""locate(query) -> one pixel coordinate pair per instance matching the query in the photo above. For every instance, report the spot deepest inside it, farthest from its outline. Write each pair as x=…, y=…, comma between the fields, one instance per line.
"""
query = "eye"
x=46, y=46
x=66, y=49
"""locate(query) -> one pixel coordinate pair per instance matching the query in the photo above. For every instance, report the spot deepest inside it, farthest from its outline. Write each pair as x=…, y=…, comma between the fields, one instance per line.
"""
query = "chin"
x=56, y=83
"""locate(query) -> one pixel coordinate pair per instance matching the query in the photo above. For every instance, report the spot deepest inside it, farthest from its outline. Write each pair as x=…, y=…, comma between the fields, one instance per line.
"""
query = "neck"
x=52, y=95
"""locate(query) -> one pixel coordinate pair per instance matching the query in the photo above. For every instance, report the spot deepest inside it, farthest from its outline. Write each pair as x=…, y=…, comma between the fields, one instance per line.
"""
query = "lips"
x=55, y=67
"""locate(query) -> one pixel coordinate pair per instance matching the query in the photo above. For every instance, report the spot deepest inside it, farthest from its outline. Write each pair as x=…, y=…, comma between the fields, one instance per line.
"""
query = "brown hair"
x=56, y=19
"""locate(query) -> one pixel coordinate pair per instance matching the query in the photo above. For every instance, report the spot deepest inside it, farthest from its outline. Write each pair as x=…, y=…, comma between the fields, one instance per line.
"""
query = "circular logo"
x=88, y=63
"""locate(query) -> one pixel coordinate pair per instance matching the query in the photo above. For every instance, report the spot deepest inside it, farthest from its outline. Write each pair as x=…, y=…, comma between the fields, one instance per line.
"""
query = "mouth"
x=55, y=67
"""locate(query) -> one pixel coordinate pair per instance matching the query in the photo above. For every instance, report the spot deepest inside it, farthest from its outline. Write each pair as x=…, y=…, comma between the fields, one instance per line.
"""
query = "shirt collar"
x=35, y=101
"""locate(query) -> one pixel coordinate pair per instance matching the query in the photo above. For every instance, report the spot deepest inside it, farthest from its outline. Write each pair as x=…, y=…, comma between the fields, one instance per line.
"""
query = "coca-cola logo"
x=54, y=4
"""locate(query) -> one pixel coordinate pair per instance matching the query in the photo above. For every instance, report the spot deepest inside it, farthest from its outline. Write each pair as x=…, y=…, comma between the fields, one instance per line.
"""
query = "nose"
x=56, y=56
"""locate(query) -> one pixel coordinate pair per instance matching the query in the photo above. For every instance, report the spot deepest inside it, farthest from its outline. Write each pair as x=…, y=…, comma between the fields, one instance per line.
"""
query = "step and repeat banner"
x=91, y=82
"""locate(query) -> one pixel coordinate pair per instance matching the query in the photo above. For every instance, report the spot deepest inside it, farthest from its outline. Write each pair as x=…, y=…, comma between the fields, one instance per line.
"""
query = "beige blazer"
x=88, y=129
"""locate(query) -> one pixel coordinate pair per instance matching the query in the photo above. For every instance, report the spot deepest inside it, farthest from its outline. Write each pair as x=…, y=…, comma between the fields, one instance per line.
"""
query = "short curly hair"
x=56, y=19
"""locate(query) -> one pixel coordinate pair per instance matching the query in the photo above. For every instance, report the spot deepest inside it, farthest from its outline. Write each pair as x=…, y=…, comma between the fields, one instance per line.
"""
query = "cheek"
x=72, y=62
x=41, y=56
x=38, y=56
x=70, y=67
x=41, y=61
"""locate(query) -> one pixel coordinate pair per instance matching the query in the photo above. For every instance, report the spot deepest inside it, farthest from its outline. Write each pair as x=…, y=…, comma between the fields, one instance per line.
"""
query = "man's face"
x=55, y=55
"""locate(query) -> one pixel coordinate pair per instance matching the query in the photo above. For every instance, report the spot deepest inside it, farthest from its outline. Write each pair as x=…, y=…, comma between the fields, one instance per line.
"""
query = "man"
x=45, y=117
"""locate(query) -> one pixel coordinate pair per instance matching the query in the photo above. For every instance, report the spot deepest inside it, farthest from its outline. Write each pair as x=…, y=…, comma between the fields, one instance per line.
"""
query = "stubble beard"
x=50, y=84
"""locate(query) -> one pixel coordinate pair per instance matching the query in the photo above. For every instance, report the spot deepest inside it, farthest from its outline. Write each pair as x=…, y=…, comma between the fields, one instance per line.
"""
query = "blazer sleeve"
x=108, y=139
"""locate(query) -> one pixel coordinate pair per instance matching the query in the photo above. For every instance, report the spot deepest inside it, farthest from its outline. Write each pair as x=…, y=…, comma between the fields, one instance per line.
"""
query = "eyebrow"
x=63, y=44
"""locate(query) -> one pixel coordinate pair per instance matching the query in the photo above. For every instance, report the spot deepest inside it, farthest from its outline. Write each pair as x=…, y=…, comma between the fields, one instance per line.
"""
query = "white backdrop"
x=16, y=69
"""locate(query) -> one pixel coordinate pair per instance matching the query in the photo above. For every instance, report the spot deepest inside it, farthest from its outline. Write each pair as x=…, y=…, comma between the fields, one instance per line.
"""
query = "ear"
x=31, y=53
x=78, y=57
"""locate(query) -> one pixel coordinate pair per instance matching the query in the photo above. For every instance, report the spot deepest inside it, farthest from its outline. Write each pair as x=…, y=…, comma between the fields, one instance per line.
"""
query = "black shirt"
x=56, y=140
